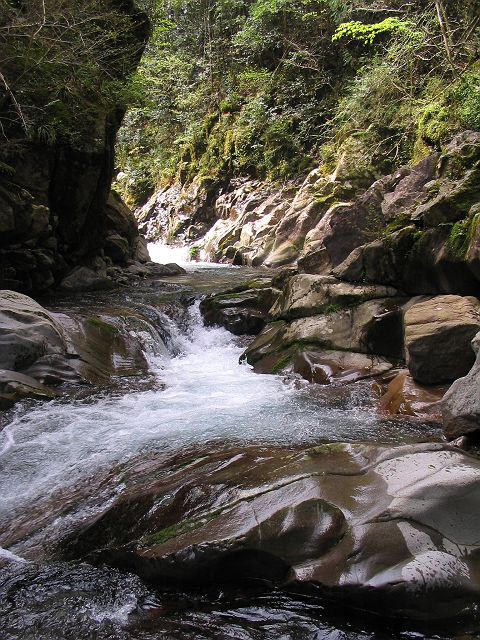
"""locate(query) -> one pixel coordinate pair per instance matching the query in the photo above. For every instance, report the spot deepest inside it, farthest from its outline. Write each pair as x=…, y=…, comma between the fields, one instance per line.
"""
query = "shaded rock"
x=16, y=386
x=461, y=405
x=404, y=396
x=269, y=341
x=85, y=279
x=357, y=329
x=117, y=248
x=391, y=530
x=170, y=269
x=240, y=312
x=27, y=332
x=53, y=194
x=438, y=333
x=140, y=250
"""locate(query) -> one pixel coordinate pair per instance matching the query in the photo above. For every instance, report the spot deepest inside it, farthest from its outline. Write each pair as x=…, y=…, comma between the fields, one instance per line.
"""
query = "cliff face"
x=53, y=196
x=415, y=229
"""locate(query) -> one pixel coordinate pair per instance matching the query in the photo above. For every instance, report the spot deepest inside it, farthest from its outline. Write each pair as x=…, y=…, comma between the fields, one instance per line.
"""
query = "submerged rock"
x=391, y=530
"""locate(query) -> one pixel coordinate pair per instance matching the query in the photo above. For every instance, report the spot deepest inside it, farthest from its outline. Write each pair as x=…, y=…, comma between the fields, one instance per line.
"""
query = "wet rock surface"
x=392, y=530
x=243, y=310
x=403, y=396
x=42, y=350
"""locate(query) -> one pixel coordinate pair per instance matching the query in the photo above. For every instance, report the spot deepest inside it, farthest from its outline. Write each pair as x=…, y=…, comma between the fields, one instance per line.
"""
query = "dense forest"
x=268, y=88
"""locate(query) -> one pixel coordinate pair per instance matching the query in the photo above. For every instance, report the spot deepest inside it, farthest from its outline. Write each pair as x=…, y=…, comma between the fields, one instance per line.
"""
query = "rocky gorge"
x=364, y=506
x=371, y=278
x=277, y=438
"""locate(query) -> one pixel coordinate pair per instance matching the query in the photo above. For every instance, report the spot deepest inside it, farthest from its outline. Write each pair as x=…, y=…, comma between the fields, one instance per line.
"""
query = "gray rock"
x=461, y=405
x=85, y=279
x=16, y=386
x=27, y=332
x=306, y=295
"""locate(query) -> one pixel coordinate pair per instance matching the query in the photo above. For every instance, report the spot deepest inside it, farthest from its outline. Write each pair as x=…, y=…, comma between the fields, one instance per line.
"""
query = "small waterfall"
x=165, y=253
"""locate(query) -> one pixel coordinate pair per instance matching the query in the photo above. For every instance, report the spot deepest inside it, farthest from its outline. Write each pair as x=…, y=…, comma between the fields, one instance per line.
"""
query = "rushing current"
x=64, y=460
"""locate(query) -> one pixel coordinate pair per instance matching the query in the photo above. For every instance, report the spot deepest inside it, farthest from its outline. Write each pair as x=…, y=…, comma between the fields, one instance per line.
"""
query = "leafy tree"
x=63, y=60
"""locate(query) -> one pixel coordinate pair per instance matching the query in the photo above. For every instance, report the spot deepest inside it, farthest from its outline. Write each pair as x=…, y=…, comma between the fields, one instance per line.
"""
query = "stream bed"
x=66, y=460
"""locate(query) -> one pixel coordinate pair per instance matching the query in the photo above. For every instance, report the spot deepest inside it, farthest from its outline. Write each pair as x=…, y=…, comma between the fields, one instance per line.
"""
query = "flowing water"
x=63, y=461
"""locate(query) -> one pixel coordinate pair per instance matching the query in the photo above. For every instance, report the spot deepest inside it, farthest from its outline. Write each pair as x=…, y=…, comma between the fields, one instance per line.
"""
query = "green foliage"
x=267, y=88
x=194, y=252
x=63, y=63
x=466, y=95
x=367, y=33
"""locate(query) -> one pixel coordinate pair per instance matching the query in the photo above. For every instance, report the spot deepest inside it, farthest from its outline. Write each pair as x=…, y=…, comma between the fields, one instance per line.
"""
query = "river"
x=64, y=460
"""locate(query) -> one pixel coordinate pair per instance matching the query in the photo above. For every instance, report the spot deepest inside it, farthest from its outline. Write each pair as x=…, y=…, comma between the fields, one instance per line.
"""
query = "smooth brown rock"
x=393, y=530
x=438, y=333
x=325, y=367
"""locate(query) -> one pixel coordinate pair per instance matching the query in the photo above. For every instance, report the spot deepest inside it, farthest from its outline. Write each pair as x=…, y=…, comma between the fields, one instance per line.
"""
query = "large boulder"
x=461, y=405
x=242, y=311
x=438, y=333
x=324, y=366
x=372, y=327
x=85, y=279
x=306, y=295
x=391, y=530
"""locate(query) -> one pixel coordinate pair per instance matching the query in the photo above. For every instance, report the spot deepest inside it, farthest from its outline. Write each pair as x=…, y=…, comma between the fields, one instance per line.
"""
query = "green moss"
x=434, y=124
x=168, y=533
x=400, y=222
x=178, y=529
x=106, y=327
x=332, y=308
x=461, y=235
x=467, y=96
x=282, y=364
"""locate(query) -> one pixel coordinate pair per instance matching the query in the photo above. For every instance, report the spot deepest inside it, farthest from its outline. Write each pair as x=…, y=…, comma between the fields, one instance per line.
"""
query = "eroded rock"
x=393, y=530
